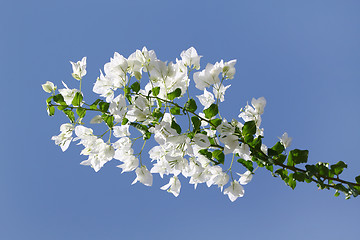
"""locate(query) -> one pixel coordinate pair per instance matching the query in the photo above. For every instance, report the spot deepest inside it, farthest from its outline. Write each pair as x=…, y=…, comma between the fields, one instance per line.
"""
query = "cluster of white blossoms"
x=197, y=153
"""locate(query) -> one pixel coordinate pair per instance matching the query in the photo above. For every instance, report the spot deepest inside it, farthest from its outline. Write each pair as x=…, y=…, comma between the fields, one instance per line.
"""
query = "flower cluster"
x=154, y=107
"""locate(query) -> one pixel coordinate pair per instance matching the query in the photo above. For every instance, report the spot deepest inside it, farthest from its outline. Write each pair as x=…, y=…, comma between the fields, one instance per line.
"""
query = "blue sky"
x=302, y=56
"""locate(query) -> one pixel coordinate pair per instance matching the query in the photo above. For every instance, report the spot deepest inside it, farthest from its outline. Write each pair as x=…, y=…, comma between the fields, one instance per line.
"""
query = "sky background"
x=302, y=56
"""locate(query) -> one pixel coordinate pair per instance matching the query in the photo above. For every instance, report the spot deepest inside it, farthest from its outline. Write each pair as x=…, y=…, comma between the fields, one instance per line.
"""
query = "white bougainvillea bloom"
x=96, y=119
x=229, y=69
x=259, y=104
x=64, y=138
x=121, y=131
x=48, y=87
x=234, y=191
x=245, y=178
x=173, y=186
x=144, y=176
x=208, y=76
x=79, y=68
x=206, y=99
x=116, y=70
x=68, y=94
x=285, y=140
x=191, y=58
x=219, y=91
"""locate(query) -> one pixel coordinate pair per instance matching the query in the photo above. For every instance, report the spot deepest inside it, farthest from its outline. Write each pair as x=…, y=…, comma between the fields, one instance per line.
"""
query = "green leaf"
x=206, y=153
x=81, y=112
x=299, y=176
x=280, y=158
x=270, y=168
x=291, y=181
x=175, y=126
x=247, y=164
x=357, y=179
x=108, y=119
x=94, y=105
x=211, y=111
x=277, y=149
x=249, y=128
x=338, y=167
x=144, y=130
x=219, y=155
x=104, y=106
x=283, y=173
x=70, y=115
x=59, y=99
x=196, y=123
x=354, y=191
x=157, y=113
x=256, y=143
x=297, y=156
x=124, y=121
x=156, y=91
x=135, y=87
x=62, y=107
x=174, y=94
x=175, y=110
x=215, y=122
x=190, y=105
x=323, y=169
x=77, y=99
x=51, y=110
x=48, y=100
x=337, y=193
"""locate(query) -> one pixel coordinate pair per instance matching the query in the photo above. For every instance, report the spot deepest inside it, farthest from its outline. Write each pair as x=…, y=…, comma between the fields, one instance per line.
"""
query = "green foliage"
x=248, y=131
x=77, y=99
x=196, y=123
x=219, y=156
x=104, y=106
x=81, y=112
x=297, y=156
x=135, y=87
x=211, y=111
x=247, y=164
x=70, y=115
x=175, y=126
x=338, y=167
x=277, y=149
x=174, y=94
x=108, y=119
x=190, y=105
x=156, y=91
x=175, y=110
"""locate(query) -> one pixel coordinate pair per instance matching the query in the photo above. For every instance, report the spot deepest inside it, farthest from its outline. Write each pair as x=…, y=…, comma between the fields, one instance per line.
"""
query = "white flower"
x=96, y=119
x=285, y=140
x=79, y=69
x=259, y=104
x=229, y=69
x=130, y=162
x=48, y=87
x=245, y=178
x=208, y=76
x=206, y=99
x=144, y=176
x=64, y=138
x=68, y=94
x=219, y=91
x=190, y=57
x=121, y=131
x=173, y=186
x=234, y=191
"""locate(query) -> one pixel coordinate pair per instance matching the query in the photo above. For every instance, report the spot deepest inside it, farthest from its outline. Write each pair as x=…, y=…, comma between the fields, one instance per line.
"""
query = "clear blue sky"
x=302, y=56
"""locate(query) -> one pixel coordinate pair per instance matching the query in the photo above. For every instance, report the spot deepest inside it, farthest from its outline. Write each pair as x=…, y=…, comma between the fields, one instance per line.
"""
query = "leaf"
x=206, y=153
x=124, y=121
x=211, y=111
x=322, y=169
x=157, y=113
x=297, y=156
x=277, y=149
x=256, y=143
x=357, y=179
x=190, y=105
x=77, y=99
x=219, y=155
x=291, y=181
x=299, y=176
x=338, y=167
x=51, y=110
x=108, y=119
x=48, y=100
x=283, y=174
x=215, y=122
x=175, y=126
x=280, y=158
x=175, y=110
x=70, y=115
x=59, y=99
x=135, y=87
x=247, y=164
x=104, y=106
x=354, y=191
x=144, y=130
x=81, y=112
x=156, y=91
x=196, y=123
x=94, y=105
x=248, y=131
x=174, y=94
